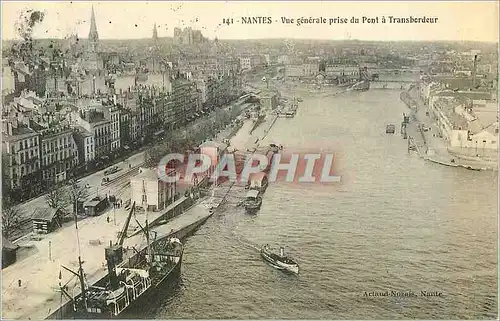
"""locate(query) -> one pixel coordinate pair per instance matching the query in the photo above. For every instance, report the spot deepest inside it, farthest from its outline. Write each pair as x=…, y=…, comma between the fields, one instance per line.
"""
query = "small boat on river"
x=279, y=261
x=253, y=201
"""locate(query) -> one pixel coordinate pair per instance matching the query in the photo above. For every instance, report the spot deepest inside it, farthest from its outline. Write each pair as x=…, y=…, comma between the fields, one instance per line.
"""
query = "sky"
x=457, y=21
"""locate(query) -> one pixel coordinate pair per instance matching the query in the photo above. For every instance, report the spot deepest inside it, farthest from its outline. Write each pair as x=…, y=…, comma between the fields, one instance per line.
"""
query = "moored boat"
x=258, y=182
x=279, y=260
x=253, y=201
x=131, y=281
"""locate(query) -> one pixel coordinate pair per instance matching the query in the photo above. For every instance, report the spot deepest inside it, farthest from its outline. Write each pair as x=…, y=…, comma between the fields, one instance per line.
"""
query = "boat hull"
x=163, y=288
x=292, y=268
x=252, y=209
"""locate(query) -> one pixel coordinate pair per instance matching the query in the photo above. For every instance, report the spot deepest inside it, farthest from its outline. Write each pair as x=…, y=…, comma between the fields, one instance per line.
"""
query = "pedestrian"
x=19, y=282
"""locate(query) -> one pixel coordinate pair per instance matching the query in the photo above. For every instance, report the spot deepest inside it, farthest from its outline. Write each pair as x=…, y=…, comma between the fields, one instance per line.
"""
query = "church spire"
x=155, y=33
x=93, y=35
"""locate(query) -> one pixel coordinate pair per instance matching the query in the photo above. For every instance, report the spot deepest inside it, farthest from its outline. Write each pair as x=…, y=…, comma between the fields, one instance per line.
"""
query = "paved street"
x=39, y=260
x=94, y=180
x=118, y=187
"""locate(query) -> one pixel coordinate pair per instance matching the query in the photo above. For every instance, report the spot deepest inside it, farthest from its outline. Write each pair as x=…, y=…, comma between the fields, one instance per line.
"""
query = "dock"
x=39, y=270
x=31, y=286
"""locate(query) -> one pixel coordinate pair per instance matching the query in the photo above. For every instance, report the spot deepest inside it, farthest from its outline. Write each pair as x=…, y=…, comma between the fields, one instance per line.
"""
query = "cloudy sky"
x=126, y=20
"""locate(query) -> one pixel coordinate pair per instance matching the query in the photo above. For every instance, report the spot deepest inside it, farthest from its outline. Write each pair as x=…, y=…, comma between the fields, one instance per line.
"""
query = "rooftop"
x=44, y=213
x=6, y=244
x=20, y=132
x=474, y=95
x=83, y=131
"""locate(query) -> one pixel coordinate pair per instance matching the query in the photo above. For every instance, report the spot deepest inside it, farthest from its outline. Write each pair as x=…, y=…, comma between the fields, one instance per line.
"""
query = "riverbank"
x=127, y=168
x=40, y=258
x=435, y=149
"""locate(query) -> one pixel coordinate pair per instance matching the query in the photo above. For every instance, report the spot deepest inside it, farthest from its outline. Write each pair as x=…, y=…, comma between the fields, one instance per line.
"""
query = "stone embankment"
x=431, y=147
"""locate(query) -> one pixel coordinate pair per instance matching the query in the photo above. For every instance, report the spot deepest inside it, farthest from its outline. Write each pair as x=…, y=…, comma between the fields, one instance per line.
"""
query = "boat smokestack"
x=282, y=251
x=114, y=255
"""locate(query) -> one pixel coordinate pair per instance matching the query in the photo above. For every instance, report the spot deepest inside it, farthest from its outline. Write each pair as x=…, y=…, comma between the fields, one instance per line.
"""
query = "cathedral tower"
x=93, y=35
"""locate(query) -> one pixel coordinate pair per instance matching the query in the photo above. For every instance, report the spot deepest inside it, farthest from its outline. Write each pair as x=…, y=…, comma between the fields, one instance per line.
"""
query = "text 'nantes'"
x=256, y=20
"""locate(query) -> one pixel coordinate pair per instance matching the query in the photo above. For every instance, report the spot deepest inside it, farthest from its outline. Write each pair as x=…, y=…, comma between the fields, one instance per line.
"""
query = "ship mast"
x=144, y=203
x=80, y=273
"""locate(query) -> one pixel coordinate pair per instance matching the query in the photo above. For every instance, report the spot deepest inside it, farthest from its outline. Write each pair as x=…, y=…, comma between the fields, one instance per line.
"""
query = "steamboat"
x=279, y=261
x=129, y=282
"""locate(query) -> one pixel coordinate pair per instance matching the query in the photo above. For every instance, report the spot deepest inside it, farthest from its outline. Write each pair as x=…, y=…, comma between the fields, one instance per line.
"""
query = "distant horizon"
x=278, y=38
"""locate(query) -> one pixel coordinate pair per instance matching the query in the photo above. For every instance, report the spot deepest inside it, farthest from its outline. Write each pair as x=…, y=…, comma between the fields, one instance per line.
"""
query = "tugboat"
x=253, y=201
x=279, y=261
x=130, y=281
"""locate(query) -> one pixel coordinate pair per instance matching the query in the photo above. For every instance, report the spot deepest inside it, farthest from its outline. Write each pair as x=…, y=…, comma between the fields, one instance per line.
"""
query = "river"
x=396, y=222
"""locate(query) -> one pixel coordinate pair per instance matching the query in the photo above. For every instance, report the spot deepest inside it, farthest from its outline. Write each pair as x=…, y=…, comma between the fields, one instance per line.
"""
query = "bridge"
x=392, y=84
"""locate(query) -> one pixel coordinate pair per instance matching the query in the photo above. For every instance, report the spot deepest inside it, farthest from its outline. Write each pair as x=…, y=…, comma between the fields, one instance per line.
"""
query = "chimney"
x=474, y=72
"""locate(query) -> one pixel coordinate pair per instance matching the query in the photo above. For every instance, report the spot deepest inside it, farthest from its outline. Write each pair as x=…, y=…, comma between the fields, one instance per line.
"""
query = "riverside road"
x=396, y=222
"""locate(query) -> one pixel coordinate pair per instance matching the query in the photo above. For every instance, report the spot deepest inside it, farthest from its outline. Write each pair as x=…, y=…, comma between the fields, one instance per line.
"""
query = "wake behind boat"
x=279, y=261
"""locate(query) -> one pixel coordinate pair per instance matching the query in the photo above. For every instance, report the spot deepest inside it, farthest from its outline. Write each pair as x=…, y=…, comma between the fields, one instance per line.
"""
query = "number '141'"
x=227, y=21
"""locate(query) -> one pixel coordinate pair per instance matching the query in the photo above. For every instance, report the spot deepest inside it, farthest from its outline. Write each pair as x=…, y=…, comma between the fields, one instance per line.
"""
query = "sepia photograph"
x=250, y=160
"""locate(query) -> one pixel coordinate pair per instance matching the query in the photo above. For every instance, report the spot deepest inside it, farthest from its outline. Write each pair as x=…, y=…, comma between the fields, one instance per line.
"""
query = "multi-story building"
x=56, y=80
x=348, y=71
x=257, y=61
x=311, y=69
x=246, y=63
x=146, y=107
x=125, y=127
x=94, y=122
x=150, y=192
x=283, y=60
x=8, y=84
x=201, y=85
x=58, y=154
x=85, y=144
x=184, y=98
x=294, y=71
x=21, y=162
x=112, y=113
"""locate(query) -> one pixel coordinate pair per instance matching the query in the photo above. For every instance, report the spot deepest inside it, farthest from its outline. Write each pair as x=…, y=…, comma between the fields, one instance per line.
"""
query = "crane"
x=123, y=232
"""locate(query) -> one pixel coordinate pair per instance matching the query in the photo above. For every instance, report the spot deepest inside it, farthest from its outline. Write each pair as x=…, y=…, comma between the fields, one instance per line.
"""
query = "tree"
x=58, y=198
x=76, y=193
x=10, y=218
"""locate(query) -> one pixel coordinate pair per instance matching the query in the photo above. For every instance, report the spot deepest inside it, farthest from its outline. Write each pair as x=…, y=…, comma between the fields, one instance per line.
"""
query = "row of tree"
x=64, y=196
x=60, y=198
x=186, y=139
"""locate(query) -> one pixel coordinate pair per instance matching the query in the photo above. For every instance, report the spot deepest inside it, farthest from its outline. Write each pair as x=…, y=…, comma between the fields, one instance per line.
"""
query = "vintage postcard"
x=249, y=160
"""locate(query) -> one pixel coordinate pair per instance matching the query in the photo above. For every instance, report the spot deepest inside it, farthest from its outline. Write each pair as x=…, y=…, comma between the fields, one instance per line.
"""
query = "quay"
x=40, y=267
x=40, y=260
x=434, y=149
x=38, y=274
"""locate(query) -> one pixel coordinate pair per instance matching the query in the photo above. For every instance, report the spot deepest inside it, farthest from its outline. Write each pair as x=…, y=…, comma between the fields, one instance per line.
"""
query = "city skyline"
x=466, y=21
